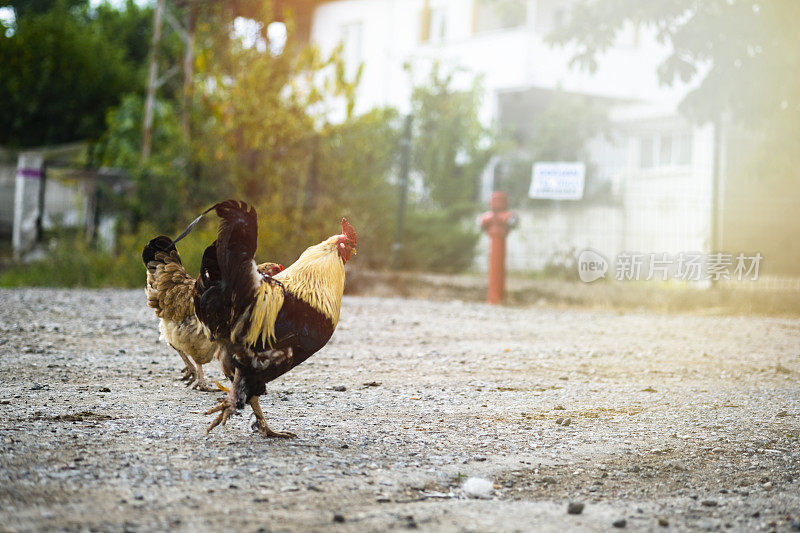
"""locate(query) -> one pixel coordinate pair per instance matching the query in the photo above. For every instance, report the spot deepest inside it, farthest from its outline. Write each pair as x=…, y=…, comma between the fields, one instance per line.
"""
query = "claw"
x=219, y=407
x=193, y=377
x=225, y=409
x=267, y=432
x=220, y=387
x=201, y=385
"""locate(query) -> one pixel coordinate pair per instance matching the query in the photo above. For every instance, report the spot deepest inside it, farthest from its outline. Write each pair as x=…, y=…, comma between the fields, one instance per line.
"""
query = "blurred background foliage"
x=63, y=67
x=257, y=132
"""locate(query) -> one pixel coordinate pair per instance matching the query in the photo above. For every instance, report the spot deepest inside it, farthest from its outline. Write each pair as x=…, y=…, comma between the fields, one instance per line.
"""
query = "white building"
x=659, y=168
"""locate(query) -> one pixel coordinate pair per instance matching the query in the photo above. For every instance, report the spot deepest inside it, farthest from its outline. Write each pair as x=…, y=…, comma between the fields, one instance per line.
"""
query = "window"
x=685, y=150
x=558, y=18
x=433, y=24
x=491, y=15
x=352, y=47
x=666, y=151
x=646, y=156
x=438, y=25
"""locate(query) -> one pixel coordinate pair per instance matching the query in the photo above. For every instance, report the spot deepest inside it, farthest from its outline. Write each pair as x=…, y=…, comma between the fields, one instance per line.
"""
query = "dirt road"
x=655, y=422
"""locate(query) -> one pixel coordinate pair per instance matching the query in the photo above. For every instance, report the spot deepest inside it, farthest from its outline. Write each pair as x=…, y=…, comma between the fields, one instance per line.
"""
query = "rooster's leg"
x=227, y=405
x=261, y=422
x=201, y=383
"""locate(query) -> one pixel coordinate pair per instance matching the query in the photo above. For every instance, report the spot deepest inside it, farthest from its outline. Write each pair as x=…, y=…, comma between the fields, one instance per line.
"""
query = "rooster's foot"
x=226, y=409
x=261, y=426
x=264, y=430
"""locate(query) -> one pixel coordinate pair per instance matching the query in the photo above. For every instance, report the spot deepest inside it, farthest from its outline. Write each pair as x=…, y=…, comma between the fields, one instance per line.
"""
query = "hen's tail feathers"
x=158, y=251
x=168, y=286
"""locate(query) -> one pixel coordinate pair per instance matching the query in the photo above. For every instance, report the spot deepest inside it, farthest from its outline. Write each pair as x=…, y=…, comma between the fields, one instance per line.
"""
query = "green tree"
x=450, y=146
x=162, y=188
x=258, y=124
x=37, y=7
x=349, y=175
x=449, y=150
x=743, y=54
x=61, y=69
x=130, y=27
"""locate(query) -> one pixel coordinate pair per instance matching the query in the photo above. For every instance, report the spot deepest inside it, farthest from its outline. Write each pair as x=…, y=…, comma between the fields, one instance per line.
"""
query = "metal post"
x=41, y=204
x=405, y=158
x=718, y=186
x=147, y=123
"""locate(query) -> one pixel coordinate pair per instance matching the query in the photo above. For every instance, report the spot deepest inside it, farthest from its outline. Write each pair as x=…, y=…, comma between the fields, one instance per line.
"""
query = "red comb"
x=349, y=232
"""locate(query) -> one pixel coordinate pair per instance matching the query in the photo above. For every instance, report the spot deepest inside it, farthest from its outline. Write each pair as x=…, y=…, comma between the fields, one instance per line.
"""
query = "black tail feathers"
x=238, y=233
x=224, y=288
x=209, y=299
x=240, y=220
x=209, y=269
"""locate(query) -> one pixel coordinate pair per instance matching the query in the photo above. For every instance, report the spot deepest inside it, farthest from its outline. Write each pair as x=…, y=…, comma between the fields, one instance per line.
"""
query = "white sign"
x=557, y=181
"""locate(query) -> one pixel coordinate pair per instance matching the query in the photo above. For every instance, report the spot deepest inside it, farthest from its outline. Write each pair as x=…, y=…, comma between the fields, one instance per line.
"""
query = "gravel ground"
x=654, y=422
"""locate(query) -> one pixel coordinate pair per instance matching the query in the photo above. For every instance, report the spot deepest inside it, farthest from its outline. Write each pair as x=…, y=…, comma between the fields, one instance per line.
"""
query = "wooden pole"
x=188, y=69
x=147, y=123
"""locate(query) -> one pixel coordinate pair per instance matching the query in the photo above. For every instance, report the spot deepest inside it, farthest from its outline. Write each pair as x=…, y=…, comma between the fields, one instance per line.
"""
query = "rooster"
x=266, y=325
x=170, y=291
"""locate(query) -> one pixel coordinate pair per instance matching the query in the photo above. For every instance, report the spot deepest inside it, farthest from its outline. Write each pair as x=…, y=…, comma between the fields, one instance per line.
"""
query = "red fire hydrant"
x=497, y=223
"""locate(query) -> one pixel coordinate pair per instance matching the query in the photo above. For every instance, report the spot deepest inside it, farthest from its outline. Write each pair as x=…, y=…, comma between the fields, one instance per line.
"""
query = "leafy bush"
x=73, y=261
x=433, y=242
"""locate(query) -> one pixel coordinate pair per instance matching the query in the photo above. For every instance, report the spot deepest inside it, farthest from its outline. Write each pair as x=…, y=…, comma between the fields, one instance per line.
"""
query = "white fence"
x=34, y=197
